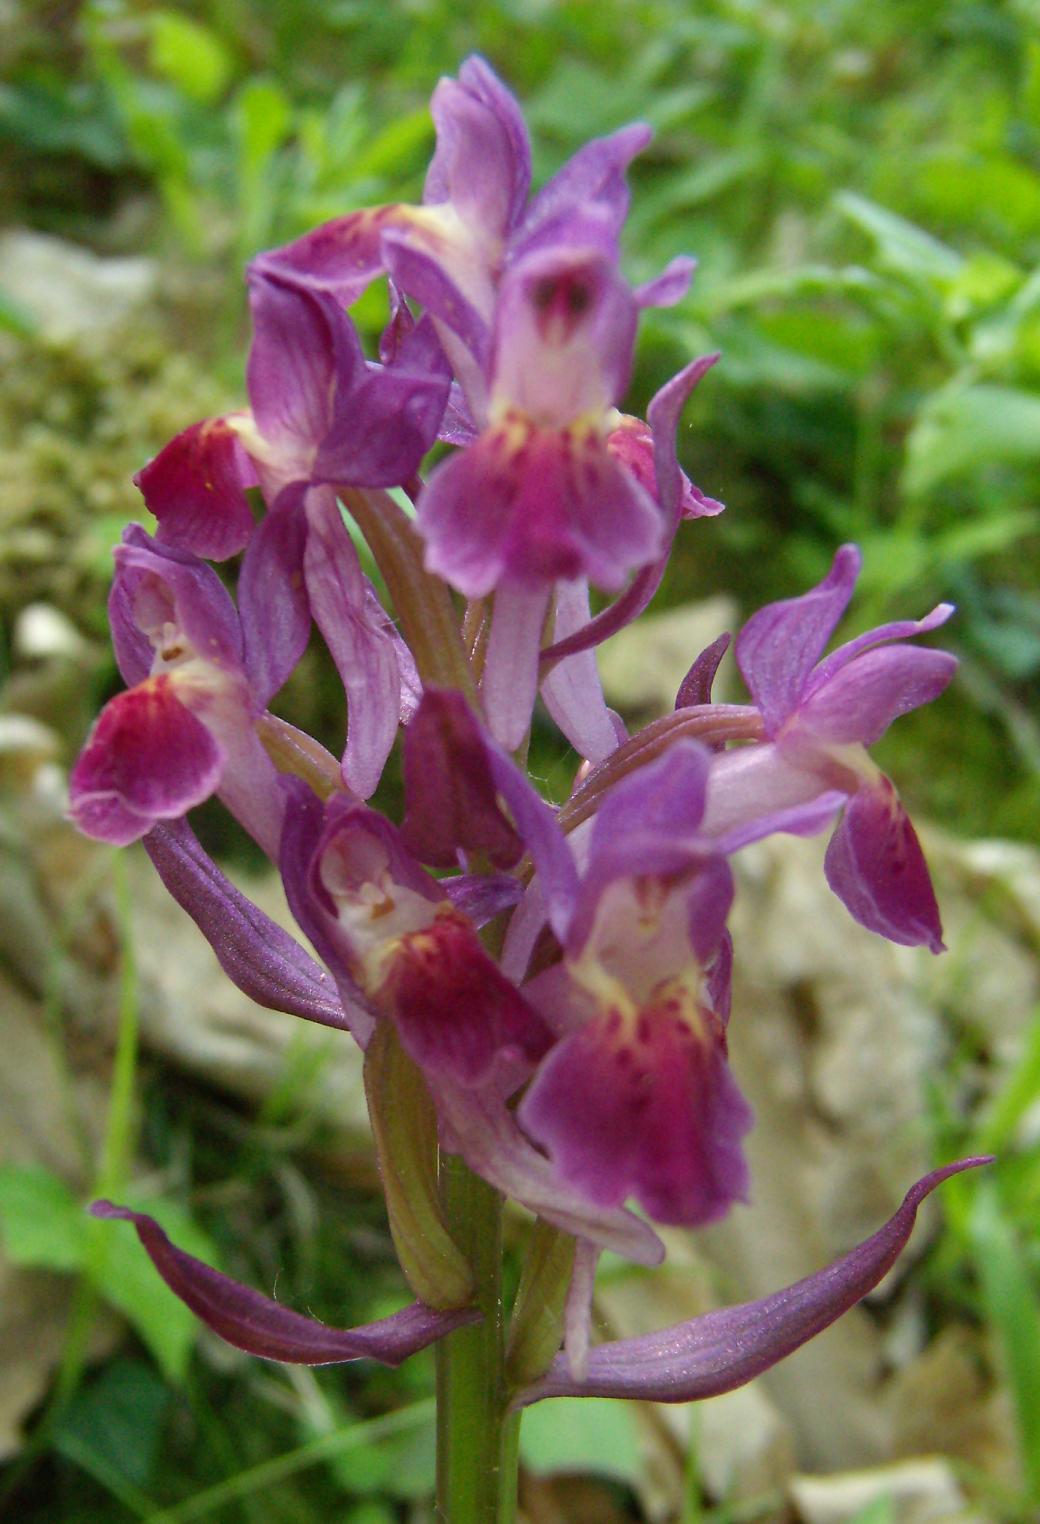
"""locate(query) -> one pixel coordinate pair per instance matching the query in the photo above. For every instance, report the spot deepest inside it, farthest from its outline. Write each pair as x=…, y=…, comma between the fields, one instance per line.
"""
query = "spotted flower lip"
x=635, y=1097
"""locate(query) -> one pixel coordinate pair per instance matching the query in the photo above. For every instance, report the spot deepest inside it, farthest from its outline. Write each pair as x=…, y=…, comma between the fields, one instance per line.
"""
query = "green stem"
x=476, y=1443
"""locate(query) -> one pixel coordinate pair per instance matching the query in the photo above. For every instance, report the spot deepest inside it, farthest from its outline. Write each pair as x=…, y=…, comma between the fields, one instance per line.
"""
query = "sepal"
x=722, y=1350
x=254, y=1323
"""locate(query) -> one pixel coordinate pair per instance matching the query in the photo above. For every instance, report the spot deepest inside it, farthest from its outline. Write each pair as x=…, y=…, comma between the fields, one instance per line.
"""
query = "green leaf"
x=1018, y=1094
x=964, y=427
x=190, y=55
x=15, y=318
x=263, y=119
x=114, y=1426
x=879, y=1511
x=41, y=1222
x=1013, y=1309
x=901, y=247
x=573, y=1434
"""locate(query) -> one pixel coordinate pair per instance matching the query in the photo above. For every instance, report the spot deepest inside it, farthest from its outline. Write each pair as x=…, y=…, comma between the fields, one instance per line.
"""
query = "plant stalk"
x=476, y=1440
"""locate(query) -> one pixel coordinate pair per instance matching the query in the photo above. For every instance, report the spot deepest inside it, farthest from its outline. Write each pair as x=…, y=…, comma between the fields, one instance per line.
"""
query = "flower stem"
x=476, y=1441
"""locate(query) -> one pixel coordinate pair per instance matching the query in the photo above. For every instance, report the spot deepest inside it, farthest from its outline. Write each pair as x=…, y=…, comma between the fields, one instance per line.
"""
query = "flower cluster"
x=548, y=988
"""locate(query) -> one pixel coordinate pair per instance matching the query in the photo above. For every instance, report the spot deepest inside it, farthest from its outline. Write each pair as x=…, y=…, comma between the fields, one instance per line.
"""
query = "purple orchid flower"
x=185, y=728
x=636, y=1097
x=395, y=942
x=320, y=416
x=819, y=717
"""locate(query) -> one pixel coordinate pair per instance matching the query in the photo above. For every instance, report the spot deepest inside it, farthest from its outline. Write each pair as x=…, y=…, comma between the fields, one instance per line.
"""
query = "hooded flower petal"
x=779, y=646
x=725, y=1349
x=875, y=866
x=196, y=486
x=451, y=796
x=482, y=165
x=253, y=1322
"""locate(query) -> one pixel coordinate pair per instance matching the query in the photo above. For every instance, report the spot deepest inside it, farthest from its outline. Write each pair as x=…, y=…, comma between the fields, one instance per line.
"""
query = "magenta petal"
x=725, y=1349
x=650, y=1111
x=257, y=954
x=157, y=586
x=253, y=1322
x=670, y=286
x=484, y=1131
x=533, y=505
x=482, y=164
x=482, y=896
x=696, y=686
x=312, y=908
x=875, y=866
x=557, y=877
x=196, y=489
x=565, y=326
x=148, y=758
x=779, y=646
x=860, y=701
x=272, y=598
x=572, y=691
x=510, y=679
x=301, y=353
x=883, y=634
x=449, y=787
x=454, y=1008
x=648, y=821
x=341, y=257
x=382, y=427
x=361, y=647
x=594, y=176
x=419, y=272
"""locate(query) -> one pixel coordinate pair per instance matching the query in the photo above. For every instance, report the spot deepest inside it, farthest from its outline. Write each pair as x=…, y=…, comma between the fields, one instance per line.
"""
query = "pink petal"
x=649, y=1110
x=875, y=866
x=196, y=489
x=148, y=758
x=779, y=646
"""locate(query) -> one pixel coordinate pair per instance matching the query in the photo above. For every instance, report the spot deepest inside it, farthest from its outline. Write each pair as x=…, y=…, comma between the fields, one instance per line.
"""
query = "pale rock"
x=70, y=292
x=920, y=1492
